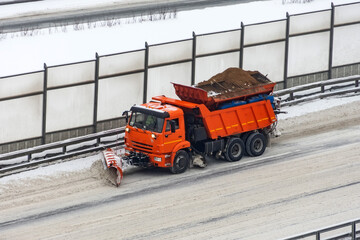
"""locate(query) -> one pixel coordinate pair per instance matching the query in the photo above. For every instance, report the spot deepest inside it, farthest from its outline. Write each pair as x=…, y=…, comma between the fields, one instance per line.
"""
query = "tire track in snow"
x=258, y=207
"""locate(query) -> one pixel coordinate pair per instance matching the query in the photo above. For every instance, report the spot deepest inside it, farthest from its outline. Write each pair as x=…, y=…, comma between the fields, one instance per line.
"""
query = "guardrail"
x=31, y=157
x=330, y=232
x=320, y=90
x=23, y=159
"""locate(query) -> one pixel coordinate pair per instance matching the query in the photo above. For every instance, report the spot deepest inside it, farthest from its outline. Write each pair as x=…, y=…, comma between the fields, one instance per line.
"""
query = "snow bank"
x=56, y=169
x=317, y=105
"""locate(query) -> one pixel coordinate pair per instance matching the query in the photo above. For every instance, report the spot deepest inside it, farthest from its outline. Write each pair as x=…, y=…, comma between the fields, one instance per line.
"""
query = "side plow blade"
x=113, y=164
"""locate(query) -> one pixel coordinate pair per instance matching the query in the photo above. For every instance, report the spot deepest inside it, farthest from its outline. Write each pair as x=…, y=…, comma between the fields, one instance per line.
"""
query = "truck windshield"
x=146, y=122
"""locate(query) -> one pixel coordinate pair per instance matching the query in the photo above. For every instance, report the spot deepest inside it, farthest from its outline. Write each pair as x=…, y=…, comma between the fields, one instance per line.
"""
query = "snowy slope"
x=28, y=50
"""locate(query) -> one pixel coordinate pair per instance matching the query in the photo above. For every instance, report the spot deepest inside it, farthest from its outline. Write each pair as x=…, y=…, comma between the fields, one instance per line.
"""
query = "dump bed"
x=239, y=119
x=232, y=84
x=229, y=121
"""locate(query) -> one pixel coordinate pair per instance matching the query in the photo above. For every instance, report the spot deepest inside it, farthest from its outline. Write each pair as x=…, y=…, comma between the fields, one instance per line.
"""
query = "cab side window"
x=168, y=128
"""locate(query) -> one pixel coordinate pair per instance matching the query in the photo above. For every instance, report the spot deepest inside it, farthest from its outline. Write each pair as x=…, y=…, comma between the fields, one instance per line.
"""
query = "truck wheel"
x=255, y=144
x=235, y=150
x=181, y=162
x=244, y=137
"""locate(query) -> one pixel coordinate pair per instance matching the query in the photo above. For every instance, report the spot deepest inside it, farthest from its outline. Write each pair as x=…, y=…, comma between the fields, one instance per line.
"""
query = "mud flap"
x=113, y=164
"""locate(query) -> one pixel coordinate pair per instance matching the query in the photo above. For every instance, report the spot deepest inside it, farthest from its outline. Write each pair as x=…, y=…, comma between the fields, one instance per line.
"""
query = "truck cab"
x=155, y=136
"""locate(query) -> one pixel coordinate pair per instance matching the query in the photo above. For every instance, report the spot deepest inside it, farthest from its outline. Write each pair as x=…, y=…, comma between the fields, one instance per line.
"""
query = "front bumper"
x=147, y=159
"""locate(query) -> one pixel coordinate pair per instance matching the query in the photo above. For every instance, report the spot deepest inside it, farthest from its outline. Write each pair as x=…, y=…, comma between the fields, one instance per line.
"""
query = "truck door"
x=173, y=138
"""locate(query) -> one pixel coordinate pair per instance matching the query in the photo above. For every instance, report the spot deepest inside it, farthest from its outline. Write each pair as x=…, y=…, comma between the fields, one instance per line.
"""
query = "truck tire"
x=234, y=150
x=255, y=144
x=181, y=162
x=244, y=137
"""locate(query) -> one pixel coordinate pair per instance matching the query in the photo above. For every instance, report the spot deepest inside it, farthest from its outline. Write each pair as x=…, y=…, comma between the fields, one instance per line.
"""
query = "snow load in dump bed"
x=232, y=84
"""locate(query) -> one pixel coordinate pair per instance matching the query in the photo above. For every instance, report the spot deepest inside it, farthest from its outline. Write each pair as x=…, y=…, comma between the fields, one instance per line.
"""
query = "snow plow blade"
x=113, y=164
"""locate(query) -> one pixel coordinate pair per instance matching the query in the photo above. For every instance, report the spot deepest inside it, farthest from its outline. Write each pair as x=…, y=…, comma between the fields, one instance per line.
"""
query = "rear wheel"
x=234, y=150
x=244, y=137
x=181, y=162
x=255, y=144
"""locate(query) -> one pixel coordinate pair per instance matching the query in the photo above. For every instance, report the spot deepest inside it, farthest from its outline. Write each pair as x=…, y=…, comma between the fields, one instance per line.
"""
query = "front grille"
x=142, y=146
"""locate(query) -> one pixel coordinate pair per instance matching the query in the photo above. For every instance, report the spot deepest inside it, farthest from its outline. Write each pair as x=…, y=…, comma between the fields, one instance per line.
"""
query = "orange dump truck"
x=227, y=116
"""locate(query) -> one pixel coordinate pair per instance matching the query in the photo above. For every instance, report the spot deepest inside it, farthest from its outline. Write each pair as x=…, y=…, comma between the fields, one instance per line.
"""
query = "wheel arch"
x=185, y=145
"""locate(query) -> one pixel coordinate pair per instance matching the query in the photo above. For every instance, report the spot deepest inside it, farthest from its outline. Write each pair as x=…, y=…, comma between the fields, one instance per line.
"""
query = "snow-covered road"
x=307, y=180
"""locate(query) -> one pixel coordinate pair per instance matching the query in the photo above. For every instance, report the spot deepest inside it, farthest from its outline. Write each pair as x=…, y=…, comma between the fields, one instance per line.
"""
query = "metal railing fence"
x=335, y=87
x=32, y=157
x=346, y=234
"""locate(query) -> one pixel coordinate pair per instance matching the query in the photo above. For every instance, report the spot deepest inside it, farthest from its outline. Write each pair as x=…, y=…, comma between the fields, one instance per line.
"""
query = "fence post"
x=331, y=43
x=96, y=92
x=193, y=60
x=242, y=36
x=286, y=58
x=317, y=235
x=146, y=68
x=43, y=129
x=322, y=88
x=353, y=230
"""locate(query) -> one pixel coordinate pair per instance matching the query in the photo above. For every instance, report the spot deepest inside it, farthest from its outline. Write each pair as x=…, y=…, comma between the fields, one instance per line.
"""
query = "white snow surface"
x=28, y=50
x=316, y=105
x=51, y=170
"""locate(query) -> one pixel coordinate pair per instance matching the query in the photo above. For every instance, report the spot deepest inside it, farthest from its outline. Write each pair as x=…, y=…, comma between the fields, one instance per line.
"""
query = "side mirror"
x=172, y=126
x=126, y=114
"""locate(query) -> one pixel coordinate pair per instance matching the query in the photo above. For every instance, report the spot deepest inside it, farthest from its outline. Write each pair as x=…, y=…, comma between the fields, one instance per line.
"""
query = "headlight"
x=127, y=129
x=158, y=159
x=153, y=136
